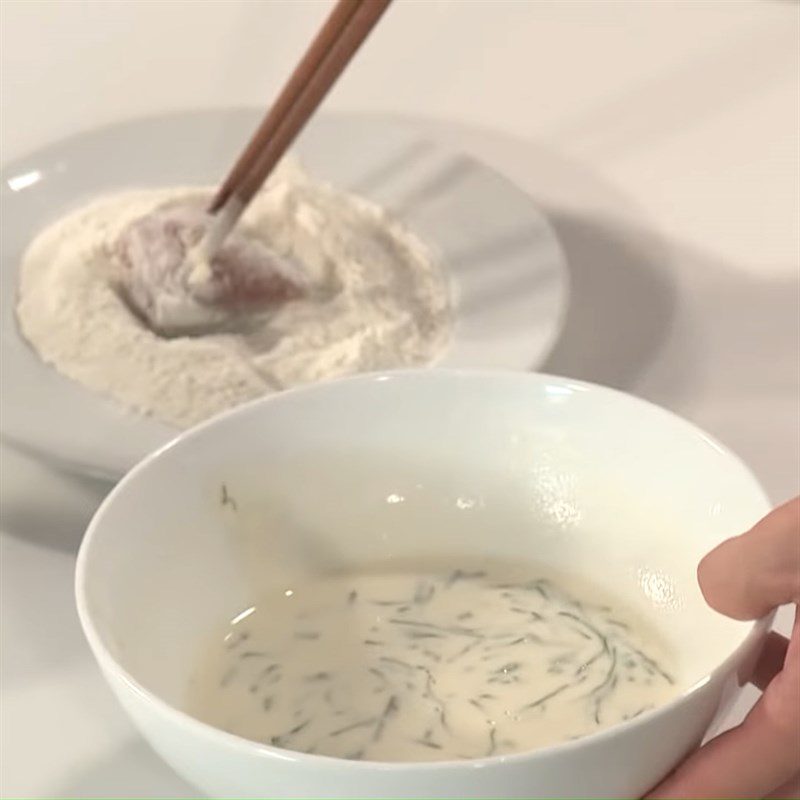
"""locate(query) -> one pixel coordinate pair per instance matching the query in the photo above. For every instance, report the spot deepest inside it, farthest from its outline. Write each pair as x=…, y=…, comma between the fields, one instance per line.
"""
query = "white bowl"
x=571, y=475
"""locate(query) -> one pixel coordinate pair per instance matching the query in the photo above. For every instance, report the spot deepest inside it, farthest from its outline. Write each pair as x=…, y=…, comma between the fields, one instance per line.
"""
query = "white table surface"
x=662, y=139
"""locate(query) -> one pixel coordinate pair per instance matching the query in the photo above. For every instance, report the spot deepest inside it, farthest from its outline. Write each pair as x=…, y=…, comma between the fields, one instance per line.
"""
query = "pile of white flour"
x=378, y=300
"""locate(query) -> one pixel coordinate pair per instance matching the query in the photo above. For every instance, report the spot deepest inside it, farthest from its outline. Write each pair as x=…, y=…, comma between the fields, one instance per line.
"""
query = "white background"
x=660, y=137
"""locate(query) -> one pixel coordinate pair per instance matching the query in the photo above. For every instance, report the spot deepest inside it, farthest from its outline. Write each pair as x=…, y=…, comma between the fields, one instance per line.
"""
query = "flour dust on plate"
x=351, y=290
x=421, y=666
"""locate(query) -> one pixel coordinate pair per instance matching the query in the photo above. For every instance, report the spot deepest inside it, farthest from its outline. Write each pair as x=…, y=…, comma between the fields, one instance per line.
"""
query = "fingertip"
x=704, y=581
x=703, y=578
x=711, y=578
x=718, y=584
x=747, y=576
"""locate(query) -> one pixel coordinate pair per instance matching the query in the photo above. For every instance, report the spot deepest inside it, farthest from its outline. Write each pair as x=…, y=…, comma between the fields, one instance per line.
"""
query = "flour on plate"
x=377, y=300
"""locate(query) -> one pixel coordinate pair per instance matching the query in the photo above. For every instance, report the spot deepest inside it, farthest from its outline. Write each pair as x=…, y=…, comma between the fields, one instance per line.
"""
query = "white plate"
x=508, y=272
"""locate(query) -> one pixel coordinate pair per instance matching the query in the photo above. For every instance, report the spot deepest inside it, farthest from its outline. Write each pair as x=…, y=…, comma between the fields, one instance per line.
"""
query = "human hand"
x=745, y=578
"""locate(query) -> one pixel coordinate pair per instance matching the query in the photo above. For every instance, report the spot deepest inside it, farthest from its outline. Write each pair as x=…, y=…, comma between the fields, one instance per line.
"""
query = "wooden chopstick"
x=340, y=38
x=328, y=35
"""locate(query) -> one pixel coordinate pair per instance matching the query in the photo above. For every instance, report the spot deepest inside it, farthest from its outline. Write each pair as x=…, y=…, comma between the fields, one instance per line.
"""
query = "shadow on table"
x=622, y=301
x=56, y=518
x=133, y=770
